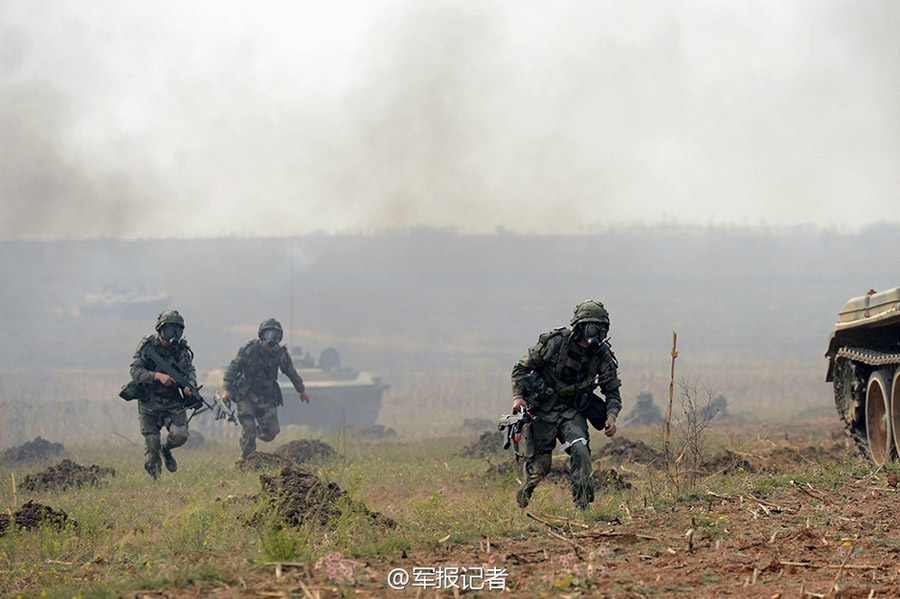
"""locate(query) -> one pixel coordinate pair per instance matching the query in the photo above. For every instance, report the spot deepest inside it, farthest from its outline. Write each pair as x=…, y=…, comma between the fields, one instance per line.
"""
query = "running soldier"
x=161, y=403
x=251, y=380
x=555, y=383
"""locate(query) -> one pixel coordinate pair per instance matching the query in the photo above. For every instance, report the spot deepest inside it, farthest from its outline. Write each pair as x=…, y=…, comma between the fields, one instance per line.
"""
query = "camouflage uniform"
x=162, y=406
x=252, y=377
x=557, y=379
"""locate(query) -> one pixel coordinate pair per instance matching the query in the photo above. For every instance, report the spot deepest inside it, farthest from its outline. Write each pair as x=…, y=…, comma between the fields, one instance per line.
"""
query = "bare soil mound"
x=64, y=475
x=305, y=450
x=790, y=457
x=32, y=514
x=38, y=449
x=609, y=479
x=503, y=468
x=729, y=462
x=488, y=444
x=259, y=460
x=622, y=450
x=300, y=496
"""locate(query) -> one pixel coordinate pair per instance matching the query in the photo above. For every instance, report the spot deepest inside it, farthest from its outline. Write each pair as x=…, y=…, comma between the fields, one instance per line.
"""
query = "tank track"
x=869, y=357
x=852, y=367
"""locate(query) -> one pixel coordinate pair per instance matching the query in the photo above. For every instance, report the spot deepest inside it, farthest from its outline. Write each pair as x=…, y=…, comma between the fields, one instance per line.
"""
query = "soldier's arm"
x=287, y=367
x=139, y=371
x=187, y=364
x=610, y=384
x=534, y=359
x=229, y=380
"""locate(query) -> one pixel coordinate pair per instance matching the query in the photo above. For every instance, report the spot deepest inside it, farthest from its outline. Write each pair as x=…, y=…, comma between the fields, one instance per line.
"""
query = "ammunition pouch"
x=536, y=391
x=596, y=413
x=133, y=390
x=279, y=398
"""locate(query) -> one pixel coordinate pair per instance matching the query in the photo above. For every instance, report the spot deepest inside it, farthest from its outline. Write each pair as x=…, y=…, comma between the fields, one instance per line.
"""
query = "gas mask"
x=272, y=337
x=593, y=333
x=171, y=333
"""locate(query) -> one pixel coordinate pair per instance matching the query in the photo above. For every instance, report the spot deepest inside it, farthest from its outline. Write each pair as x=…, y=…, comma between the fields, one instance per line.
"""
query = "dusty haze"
x=160, y=119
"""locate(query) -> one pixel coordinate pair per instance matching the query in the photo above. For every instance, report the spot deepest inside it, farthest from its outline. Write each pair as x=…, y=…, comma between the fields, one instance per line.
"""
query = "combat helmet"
x=169, y=317
x=270, y=323
x=270, y=330
x=590, y=311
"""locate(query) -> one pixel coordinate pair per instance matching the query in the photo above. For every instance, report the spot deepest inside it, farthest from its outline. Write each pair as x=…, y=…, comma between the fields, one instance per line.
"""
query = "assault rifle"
x=518, y=430
x=195, y=401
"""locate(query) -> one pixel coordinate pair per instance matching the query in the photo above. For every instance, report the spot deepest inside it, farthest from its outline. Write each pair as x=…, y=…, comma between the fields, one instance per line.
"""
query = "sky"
x=156, y=119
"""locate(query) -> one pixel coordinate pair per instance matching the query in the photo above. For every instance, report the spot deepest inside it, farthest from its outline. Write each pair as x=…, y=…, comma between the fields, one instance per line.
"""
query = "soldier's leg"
x=150, y=426
x=537, y=467
x=534, y=471
x=267, y=423
x=177, y=424
x=247, y=418
x=574, y=433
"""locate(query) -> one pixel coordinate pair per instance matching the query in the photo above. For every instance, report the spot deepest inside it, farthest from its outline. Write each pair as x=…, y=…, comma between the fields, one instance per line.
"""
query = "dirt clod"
x=609, y=479
x=38, y=449
x=622, y=450
x=64, y=475
x=300, y=496
x=502, y=468
x=259, y=460
x=305, y=450
x=488, y=444
x=32, y=514
x=728, y=462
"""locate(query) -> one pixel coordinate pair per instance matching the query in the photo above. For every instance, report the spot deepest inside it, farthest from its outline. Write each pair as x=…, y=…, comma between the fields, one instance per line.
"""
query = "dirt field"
x=801, y=541
x=794, y=517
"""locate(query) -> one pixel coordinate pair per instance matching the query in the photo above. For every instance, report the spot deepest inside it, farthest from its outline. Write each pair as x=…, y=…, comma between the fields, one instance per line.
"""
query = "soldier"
x=252, y=380
x=163, y=404
x=555, y=383
x=645, y=412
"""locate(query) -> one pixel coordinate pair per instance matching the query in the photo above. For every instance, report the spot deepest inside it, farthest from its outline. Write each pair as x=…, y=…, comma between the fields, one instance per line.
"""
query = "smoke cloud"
x=167, y=119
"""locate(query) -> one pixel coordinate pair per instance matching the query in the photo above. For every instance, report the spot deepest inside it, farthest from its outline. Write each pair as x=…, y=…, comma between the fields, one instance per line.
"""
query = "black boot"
x=171, y=464
x=523, y=496
x=153, y=468
x=582, y=495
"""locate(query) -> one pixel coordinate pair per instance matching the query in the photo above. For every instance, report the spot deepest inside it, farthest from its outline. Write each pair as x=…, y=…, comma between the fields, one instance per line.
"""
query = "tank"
x=339, y=396
x=863, y=358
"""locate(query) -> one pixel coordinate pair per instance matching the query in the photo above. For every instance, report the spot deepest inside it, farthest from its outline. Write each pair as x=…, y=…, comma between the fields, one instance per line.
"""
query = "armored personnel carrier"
x=339, y=396
x=863, y=358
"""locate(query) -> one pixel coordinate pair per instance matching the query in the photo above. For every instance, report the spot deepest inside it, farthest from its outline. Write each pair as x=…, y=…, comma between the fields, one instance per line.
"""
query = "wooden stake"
x=671, y=395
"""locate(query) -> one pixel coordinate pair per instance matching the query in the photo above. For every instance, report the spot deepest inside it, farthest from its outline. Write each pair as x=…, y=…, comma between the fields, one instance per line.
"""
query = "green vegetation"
x=207, y=524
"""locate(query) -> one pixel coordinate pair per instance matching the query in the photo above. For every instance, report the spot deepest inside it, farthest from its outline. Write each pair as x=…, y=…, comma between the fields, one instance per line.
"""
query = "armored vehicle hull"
x=339, y=396
x=863, y=358
x=342, y=397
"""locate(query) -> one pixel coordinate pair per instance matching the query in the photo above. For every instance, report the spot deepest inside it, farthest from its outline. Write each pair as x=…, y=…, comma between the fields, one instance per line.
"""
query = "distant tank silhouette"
x=339, y=396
